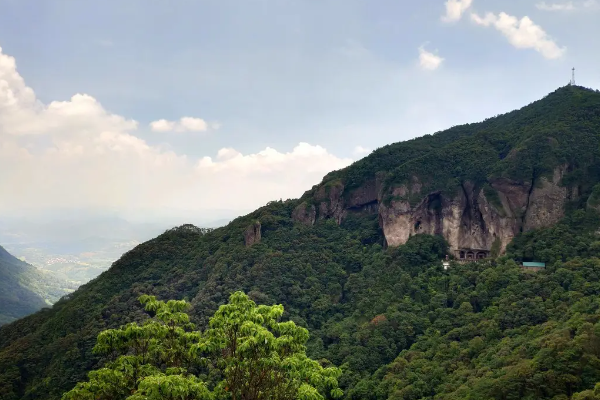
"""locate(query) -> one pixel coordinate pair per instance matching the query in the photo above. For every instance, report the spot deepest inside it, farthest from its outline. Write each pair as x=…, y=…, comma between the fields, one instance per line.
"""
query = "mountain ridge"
x=364, y=306
x=16, y=298
x=472, y=178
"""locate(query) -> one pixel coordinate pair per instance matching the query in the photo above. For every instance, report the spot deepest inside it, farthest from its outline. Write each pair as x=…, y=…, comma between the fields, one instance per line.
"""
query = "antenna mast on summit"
x=573, y=77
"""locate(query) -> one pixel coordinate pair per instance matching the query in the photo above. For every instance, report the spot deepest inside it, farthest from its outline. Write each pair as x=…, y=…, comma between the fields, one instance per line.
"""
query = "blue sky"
x=345, y=75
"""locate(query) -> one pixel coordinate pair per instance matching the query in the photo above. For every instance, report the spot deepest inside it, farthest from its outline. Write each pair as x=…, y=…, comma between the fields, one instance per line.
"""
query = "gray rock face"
x=546, y=202
x=472, y=220
x=331, y=201
x=305, y=214
x=252, y=234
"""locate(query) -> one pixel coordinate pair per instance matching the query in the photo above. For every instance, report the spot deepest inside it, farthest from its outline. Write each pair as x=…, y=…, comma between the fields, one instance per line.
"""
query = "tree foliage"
x=396, y=322
x=246, y=353
x=523, y=145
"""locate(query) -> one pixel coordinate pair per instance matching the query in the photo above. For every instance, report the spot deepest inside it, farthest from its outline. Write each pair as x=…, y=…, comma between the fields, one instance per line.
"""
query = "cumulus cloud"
x=455, y=9
x=185, y=124
x=268, y=162
x=522, y=34
x=162, y=125
x=360, y=151
x=568, y=6
x=428, y=60
x=76, y=153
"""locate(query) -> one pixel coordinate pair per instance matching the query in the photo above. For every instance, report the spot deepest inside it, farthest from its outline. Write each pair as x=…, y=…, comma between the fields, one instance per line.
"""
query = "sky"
x=215, y=107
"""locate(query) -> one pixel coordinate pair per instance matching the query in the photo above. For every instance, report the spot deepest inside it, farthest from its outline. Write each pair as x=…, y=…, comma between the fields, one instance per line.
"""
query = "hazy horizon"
x=232, y=107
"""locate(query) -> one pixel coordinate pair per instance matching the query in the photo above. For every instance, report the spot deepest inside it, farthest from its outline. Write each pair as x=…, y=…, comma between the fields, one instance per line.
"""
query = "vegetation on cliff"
x=397, y=323
x=523, y=145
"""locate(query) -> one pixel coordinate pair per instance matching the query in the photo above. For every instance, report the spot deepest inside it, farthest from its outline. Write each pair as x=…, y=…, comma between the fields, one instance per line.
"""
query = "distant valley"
x=25, y=289
x=78, y=249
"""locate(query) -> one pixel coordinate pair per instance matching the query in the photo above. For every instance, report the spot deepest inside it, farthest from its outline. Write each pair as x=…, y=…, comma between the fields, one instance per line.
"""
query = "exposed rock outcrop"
x=331, y=201
x=334, y=202
x=252, y=234
x=396, y=219
x=305, y=214
x=479, y=218
x=471, y=219
x=366, y=194
x=546, y=202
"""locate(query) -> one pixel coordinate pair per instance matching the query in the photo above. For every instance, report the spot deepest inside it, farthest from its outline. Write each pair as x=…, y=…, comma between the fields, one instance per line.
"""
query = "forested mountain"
x=356, y=260
x=24, y=289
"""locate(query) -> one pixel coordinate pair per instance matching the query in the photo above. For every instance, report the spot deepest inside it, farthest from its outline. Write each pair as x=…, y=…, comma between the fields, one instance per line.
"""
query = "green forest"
x=395, y=323
x=24, y=289
x=523, y=145
x=245, y=353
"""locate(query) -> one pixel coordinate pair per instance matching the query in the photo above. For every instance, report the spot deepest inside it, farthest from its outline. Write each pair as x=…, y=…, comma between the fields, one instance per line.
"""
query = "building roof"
x=534, y=264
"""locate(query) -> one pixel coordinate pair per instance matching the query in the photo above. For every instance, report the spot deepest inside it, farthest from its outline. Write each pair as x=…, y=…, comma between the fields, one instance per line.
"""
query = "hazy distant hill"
x=77, y=247
x=24, y=289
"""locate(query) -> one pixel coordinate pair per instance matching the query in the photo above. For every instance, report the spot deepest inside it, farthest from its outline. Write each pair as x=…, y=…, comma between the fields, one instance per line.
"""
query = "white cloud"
x=522, y=34
x=428, y=60
x=269, y=161
x=162, y=125
x=193, y=124
x=75, y=153
x=359, y=151
x=185, y=124
x=455, y=9
x=568, y=6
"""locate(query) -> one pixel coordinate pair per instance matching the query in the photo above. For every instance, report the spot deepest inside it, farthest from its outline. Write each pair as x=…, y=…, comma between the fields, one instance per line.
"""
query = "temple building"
x=471, y=254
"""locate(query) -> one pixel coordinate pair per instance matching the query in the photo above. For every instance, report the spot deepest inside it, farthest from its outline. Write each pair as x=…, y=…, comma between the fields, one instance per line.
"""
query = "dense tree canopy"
x=523, y=145
x=396, y=322
x=246, y=354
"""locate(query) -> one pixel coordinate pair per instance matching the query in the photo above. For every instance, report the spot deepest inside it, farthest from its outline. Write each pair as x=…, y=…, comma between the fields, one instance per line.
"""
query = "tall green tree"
x=246, y=353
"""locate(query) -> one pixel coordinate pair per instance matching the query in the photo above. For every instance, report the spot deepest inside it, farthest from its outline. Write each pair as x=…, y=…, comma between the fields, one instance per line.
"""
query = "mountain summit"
x=398, y=324
x=478, y=185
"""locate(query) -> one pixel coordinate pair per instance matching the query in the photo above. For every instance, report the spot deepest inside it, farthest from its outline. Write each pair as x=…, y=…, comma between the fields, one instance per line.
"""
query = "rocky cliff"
x=478, y=184
x=483, y=217
x=475, y=218
x=252, y=234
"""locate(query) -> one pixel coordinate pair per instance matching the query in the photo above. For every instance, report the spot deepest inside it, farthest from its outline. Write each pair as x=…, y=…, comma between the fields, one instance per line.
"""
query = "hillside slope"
x=323, y=258
x=478, y=185
x=17, y=299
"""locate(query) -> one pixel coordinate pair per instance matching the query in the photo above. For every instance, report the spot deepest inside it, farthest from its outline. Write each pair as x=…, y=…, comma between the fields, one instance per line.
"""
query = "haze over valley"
x=265, y=199
x=77, y=245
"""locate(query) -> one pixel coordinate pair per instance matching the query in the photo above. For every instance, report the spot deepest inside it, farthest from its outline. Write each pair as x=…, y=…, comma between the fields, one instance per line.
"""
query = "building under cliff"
x=472, y=220
x=471, y=254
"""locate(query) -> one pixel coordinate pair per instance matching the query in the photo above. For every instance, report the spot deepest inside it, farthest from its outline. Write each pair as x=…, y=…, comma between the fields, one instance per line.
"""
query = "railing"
x=466, y=261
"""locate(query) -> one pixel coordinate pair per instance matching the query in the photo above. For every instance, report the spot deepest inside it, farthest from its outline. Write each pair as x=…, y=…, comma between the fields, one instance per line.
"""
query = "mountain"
x=478, y=185
x=77, y=247
x=24, y=289
x=356, y=260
